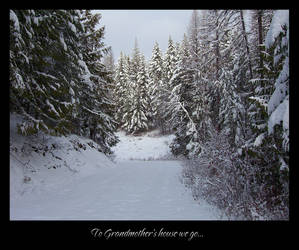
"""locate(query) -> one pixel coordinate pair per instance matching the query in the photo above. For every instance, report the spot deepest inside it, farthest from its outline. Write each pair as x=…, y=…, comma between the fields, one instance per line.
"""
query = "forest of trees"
x=223, y=91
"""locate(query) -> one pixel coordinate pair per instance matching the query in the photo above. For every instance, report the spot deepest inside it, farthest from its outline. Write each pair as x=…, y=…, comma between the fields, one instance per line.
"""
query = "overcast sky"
x=148, y=26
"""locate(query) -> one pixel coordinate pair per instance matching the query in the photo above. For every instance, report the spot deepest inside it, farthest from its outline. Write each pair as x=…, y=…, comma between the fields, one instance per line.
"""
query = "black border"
x=24, y=233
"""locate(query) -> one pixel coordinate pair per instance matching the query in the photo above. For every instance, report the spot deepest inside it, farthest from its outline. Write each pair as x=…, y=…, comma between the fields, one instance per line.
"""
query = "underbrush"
x=232, y=183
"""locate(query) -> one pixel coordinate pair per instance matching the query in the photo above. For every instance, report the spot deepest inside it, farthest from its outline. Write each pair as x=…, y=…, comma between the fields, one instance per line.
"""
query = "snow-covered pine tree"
x=260, y=22
x=237, y=73
x=22, y=97
x=268, y=114
x=128, y=94
x=259, y=25
x=136, y=100
x=46, y=40
x=267, y=151
x=142, y=100
x=186, y=97
x=278, y=106
x=194, y=69
x=194, y=40
x=119, y=93
x=200, y=58
x=231, y=107
x=55, y=77
x=225, y=104
x=209, y=39
x=264, y=77
x=109, y=67
x=169, y=62
x=108, y=61
x=95, y=109
x=181, y=103
x=169, y=65
x=155, y=71
x=215, y=49
x=277, y=45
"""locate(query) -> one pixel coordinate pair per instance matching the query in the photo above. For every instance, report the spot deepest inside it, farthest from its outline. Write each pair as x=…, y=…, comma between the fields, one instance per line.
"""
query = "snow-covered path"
x=126, y=190
x=133, y=190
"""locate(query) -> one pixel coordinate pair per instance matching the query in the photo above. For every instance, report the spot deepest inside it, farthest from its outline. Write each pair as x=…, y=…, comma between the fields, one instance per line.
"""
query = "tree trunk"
x=246, y=43
x=260, y=37
x=217, y=53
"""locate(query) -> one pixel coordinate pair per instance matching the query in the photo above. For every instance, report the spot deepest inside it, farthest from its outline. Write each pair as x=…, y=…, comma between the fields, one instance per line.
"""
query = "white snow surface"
x=259, y=140
x=74, y=181
x=14, y=18
x=150, y=146
x=280, y=114
x=280, y=18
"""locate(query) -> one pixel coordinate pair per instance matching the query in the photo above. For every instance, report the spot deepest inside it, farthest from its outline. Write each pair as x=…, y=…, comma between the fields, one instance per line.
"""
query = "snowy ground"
x=150, y=146
x=73, y=181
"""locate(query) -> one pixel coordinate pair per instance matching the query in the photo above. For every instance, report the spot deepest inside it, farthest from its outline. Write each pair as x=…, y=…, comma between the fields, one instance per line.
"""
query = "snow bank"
x=41, y=162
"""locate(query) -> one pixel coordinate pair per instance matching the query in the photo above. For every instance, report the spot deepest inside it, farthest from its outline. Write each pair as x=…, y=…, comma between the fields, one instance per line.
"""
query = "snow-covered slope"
x=42, y=162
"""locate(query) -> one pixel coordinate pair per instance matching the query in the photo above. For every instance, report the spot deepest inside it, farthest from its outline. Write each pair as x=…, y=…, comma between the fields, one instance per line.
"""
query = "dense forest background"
x=223, y=91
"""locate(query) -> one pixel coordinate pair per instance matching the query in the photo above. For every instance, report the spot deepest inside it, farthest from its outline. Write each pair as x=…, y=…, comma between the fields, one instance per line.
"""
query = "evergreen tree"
x=169, y=65
x=194, y=40
x=188, y=94
x=120, y=89
x=231, y=109
x=56, y=79
x=236, y=78
x=50, y=37
x=141, y=99
x=258, y=28
x=128, y=95
x=22, y=98
x=108, y=61
x=278, y=104
x=271, y=141
x=181, y=103
x=169, y=62
x=264, y=76
x=156, y=71
x=95, y=107
x=136, y=101
x=200, y=55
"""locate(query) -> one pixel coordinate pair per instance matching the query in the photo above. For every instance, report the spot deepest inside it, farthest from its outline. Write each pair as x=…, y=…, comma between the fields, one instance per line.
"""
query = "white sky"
x=148, y=26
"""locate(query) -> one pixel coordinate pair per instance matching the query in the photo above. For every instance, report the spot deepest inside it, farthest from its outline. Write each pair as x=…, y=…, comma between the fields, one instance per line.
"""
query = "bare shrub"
x=225, y=179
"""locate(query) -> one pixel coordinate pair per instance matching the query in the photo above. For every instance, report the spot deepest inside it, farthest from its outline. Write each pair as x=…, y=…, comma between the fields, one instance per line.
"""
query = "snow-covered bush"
x=214, y=176
x=233, y=183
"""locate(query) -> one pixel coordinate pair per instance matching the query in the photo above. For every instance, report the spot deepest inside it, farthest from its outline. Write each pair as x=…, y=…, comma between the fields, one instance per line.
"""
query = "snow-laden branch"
x=193, y=126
